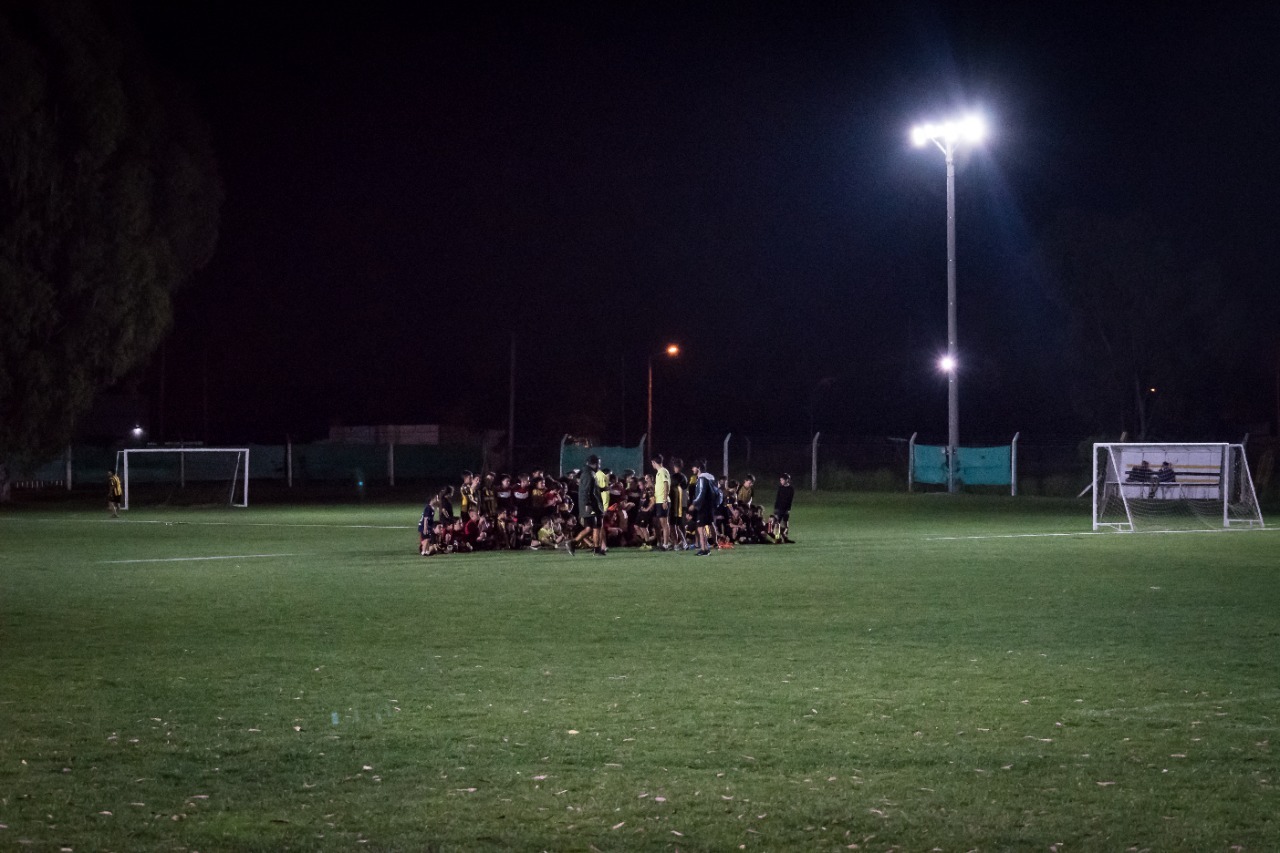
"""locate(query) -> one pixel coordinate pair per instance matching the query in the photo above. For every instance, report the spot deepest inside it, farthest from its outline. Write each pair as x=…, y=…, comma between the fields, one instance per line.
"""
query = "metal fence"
x=1048, y=466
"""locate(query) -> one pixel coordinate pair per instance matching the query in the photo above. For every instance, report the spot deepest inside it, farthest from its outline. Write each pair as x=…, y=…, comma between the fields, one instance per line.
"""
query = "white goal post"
x=1179, y=486
x=236, y=469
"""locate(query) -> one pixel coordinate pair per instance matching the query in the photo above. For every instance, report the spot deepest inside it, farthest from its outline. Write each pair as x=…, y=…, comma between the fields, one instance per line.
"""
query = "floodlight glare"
x=975, y=129
x=673, y=350
x=971, y=128
x=137, y=432
x=946, y=364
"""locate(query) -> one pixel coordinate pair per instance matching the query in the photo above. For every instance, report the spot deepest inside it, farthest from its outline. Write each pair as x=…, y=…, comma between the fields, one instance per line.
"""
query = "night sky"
x=407, y=191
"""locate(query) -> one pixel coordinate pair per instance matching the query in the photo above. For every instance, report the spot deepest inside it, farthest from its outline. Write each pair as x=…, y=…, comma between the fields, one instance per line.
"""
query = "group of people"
x=663, y=510
x=1153, y=478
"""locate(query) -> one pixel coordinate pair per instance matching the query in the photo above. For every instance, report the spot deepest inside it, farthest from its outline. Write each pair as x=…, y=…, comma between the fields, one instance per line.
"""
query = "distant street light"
x=946, y=136
x=670, y=351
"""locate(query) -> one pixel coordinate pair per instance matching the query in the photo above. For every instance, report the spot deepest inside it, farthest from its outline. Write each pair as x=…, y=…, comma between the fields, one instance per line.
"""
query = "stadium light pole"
x=947, y=136
x=670, y=351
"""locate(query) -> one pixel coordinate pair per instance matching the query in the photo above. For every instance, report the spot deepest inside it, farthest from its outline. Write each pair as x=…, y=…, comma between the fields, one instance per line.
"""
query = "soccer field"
x=918, y=672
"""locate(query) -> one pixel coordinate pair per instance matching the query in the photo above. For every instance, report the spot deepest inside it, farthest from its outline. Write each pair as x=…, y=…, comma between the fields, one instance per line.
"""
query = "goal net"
x=1172, y=487
x=184, y=476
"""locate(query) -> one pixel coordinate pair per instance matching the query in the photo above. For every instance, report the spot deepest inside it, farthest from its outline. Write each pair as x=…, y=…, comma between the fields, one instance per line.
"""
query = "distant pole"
x=671, y=351
x=164, y=362
x=204, y=370
x=511, y=411
x=648, y=435
x=813, y=475
x=1013, y=465
x=953, y=382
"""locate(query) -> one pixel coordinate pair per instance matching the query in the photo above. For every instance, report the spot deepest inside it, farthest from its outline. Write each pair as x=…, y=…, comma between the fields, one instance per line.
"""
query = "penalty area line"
x=1089, y=533
x=196, y=559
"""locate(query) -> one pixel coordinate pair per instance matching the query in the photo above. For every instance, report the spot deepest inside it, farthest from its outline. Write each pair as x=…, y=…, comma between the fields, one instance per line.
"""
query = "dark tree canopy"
x=1151, y=331
x=109, y=203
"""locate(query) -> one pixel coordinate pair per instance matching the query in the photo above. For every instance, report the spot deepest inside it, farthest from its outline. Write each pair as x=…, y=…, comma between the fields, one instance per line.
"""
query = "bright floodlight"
x=673, y=350
x=946, y=364
x=971, y=128
x=974, y=128
x=137, y=432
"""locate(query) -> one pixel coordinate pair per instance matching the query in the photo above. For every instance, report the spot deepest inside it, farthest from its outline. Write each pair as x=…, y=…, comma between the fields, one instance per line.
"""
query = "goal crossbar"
x=239, y=474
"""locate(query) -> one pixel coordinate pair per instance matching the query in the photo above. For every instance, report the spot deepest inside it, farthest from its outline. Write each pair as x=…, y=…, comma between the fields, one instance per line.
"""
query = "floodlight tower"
x=947, y=136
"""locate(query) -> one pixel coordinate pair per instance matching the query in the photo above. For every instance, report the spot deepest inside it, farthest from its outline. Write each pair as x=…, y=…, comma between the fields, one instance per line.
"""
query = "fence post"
x=288, y=459
x=391, y=462
x=562, y=441
x=911, y=462
x=726, y=454
x=68, y=470
x=1013, y=463
x=813, y=475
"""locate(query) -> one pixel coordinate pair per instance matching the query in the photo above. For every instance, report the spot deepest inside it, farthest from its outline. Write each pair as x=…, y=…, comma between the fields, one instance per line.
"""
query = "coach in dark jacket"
x=590, y=507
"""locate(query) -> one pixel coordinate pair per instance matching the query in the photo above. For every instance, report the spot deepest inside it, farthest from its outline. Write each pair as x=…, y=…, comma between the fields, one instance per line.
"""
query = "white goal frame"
x=1216, y=484
x=239, y=476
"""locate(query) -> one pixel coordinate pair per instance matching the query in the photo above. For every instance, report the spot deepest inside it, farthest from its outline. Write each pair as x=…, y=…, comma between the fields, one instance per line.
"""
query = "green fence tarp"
x=975, y=466
x=616, y=459
x=984, y=466
x=929, y=464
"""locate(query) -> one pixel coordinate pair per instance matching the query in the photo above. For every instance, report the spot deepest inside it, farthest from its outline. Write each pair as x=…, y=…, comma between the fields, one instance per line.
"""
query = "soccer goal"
x=185, y=475
x=1172, y=487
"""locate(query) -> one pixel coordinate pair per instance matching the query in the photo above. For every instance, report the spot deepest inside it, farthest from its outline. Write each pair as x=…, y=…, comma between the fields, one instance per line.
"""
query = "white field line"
x=195, y=559
x=1090, y=533
x=118, y=521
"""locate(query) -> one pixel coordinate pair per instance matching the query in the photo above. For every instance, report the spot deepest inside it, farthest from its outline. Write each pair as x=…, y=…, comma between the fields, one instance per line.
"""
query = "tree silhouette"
x=109, y=202
x=1150, y=331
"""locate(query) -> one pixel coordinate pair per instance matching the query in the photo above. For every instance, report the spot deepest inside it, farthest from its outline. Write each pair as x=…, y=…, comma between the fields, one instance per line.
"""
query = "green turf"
x=887, y=683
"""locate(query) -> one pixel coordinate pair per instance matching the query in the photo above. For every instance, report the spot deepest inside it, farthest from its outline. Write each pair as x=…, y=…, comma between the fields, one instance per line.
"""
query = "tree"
x=1150, y=332
x=109, y=202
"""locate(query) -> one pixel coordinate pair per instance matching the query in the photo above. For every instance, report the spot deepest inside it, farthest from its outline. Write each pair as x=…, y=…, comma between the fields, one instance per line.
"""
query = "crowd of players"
x=664, y=509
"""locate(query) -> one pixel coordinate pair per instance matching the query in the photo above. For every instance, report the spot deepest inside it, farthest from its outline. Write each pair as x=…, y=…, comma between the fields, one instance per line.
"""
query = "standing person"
x=427, y=528
x=603, y=477
x=115, y=494
x=590, y=507
x=661, y=501
x=469, y=501
x=703, y=502
x=782, y=508
x=679, y=494
x=488, y=498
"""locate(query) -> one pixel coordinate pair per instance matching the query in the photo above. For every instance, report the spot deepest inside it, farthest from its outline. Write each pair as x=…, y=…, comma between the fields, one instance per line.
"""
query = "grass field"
x=915, y=674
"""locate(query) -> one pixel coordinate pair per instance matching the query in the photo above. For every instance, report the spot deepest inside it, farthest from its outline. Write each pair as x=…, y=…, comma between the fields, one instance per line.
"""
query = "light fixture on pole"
x=670, y=351
x=947, y=136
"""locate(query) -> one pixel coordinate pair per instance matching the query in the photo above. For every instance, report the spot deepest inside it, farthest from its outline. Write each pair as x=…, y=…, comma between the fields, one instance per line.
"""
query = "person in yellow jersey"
x=115, y=494
x=661, y=501
x=602, y=483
